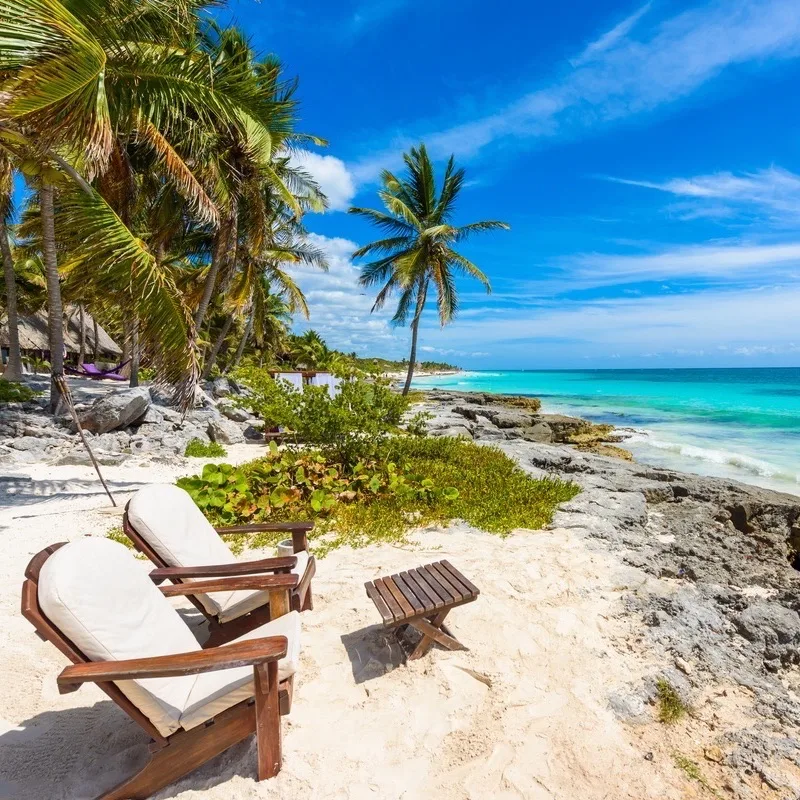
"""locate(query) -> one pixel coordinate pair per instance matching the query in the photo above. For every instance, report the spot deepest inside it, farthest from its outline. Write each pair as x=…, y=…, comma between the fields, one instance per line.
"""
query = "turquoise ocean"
x=733, y=423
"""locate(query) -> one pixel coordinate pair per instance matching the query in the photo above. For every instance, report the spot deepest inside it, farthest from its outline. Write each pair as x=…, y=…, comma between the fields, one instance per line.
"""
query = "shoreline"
x=674, y=447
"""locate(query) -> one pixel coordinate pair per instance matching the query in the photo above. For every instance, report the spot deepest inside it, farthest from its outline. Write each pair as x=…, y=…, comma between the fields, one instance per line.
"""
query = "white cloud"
x=619, y=75
x=773, y=191
x=340, y=309
x=734, y=324
x=698, y=261
x=608, y=40
x=331, y=174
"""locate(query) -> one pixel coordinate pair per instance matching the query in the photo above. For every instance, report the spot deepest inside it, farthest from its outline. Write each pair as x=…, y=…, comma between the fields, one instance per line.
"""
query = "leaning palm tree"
x=419, y=250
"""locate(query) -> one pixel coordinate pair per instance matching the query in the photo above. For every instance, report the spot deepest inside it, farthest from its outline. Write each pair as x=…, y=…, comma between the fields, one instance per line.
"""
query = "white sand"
x=523, y=714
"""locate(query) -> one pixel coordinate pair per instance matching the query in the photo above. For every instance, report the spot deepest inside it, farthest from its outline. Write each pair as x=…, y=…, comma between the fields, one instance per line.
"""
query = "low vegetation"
x=16, y=392
x=197, y=448
x=670, y=706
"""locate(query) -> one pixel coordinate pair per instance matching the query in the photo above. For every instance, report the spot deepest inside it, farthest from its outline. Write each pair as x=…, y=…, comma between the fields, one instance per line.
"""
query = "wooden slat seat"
x=422, y=597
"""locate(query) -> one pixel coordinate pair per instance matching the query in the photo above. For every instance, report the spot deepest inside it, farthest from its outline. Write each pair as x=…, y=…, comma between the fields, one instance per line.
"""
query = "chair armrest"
x=299, y=531
x=217, y=570
x=239, y=654
x=268, y=583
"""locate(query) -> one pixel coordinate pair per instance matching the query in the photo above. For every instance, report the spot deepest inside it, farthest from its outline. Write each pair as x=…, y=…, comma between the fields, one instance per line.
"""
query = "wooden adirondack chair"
x=98, y=607
x=164, y=523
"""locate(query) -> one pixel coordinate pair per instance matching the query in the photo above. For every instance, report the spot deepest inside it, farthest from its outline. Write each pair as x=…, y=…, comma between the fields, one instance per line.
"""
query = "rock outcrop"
x=719, y=597
x=115, y=410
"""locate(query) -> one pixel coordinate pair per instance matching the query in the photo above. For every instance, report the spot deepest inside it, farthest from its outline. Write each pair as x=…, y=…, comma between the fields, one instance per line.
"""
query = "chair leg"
x=268, y=720
x=308, y=601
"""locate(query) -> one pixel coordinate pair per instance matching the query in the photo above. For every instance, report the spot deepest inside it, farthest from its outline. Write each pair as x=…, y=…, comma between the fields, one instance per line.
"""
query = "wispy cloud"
x=608, y=40
x=620, y=75
x=774, y=192
x=729, y=261
x=738, y=324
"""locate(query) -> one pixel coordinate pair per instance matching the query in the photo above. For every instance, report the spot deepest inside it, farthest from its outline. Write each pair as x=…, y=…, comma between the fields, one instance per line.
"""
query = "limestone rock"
x=225, y=431
x=80, y=457
x=116, y=410
x=220, y=387
x=233, y=412
x=456, y=431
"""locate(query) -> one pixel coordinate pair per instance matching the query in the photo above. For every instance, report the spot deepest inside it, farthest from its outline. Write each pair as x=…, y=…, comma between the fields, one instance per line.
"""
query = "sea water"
x=733, y=423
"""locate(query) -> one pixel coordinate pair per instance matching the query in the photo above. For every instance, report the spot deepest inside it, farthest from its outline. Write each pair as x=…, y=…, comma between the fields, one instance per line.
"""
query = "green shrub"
x=11, y=392
x=412, y=482
x=197, y=448
x=348, y=428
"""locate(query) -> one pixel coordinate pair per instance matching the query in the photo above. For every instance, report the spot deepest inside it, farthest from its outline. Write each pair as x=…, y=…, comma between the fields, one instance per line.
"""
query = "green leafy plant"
x=197, y=448
x=16, y=392
x=412, y=482
x=348, y=428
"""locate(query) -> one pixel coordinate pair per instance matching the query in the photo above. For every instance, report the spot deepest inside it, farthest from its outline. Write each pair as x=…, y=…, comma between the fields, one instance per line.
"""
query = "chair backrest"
x=95, y=593
x=173, y=527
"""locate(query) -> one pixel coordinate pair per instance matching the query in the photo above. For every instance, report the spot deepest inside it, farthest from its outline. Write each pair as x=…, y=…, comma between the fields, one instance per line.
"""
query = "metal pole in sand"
x=63, y=387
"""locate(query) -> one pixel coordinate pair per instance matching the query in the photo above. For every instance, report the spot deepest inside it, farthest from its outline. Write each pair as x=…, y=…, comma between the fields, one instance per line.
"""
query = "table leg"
x=432, y=632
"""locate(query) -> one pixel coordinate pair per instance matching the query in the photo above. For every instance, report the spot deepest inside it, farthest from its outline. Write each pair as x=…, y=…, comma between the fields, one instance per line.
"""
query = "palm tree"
x=13, y=370
x=419, y=250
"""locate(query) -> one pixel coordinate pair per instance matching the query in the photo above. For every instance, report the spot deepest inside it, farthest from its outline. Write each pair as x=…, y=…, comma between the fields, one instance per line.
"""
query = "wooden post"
x=268, y=720
x=61, y=383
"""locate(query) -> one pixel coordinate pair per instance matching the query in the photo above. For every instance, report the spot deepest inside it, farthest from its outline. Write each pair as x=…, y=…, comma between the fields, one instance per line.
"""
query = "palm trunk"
x=96, y=349
x=248, y=329
x=212, y=356
x=223, y=246
x=82, y=339
x=55, y=309
x=412, y=359
x=13, y=370
x=135, y=353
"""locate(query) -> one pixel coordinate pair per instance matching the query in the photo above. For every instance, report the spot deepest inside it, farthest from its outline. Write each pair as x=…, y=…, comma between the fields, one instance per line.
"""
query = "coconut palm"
x=13, y=370
x=418, y=253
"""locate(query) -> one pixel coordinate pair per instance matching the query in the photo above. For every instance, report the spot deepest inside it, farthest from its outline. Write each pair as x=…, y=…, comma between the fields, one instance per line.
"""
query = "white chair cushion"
x=96, y=593
x=243, y=602
x=213, y=692
x=166, y=517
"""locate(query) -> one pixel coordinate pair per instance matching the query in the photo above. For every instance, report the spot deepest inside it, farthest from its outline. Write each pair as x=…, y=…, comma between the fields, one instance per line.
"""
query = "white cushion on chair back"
x=96, y=593
x=166, y=517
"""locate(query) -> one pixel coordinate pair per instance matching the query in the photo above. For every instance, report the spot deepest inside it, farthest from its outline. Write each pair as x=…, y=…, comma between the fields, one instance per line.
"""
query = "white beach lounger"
x=96, y=604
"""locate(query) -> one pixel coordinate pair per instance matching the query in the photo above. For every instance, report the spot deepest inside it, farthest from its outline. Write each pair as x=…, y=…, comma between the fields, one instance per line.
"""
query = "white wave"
x=753, y=466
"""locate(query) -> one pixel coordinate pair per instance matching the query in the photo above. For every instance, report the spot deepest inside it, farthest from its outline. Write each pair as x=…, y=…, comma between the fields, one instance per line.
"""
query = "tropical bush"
x=16, y=392
x=412, y=482
x=347, y=428
x=197, y=448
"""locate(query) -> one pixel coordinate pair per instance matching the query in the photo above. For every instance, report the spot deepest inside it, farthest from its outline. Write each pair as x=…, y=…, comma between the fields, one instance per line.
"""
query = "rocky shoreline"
x=719, y=594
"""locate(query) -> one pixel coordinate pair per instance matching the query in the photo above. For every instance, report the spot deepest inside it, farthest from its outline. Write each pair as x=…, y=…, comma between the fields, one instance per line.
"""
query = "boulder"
x=153, y=416
x=456, y=431
x=564, y=427
x=32, y=443
x=540, y=432
x=511, y=418
x=233, y=412
x=220, y=387
x=254, y=432
x=116, y=410
x=225, y=431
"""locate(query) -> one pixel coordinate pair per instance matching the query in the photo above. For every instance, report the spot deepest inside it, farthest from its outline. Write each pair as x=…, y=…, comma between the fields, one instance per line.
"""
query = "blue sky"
x=647, y=158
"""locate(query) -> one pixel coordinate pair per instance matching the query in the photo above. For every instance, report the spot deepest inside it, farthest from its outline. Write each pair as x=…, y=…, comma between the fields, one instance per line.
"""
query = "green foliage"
x=670, y=706
x=146, y=374
x=197, y=448
x=348, y=428
x=413, y=482
x=692, y=771
x=418, y=424
x=11, y=392
x=289, y=483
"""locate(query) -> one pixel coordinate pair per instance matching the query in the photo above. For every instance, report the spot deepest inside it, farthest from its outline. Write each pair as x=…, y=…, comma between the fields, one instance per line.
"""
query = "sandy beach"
x=523, y=714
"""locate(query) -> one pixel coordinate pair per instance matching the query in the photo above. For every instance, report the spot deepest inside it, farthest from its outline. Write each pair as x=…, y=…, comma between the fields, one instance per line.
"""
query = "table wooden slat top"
x=420, y=592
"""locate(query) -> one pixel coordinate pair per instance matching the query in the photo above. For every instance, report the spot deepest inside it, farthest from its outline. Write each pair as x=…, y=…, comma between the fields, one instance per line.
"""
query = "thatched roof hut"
x=33, y=334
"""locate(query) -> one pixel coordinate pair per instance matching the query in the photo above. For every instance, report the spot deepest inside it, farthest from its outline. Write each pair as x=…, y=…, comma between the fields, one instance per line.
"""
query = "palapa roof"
x=33, y=333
